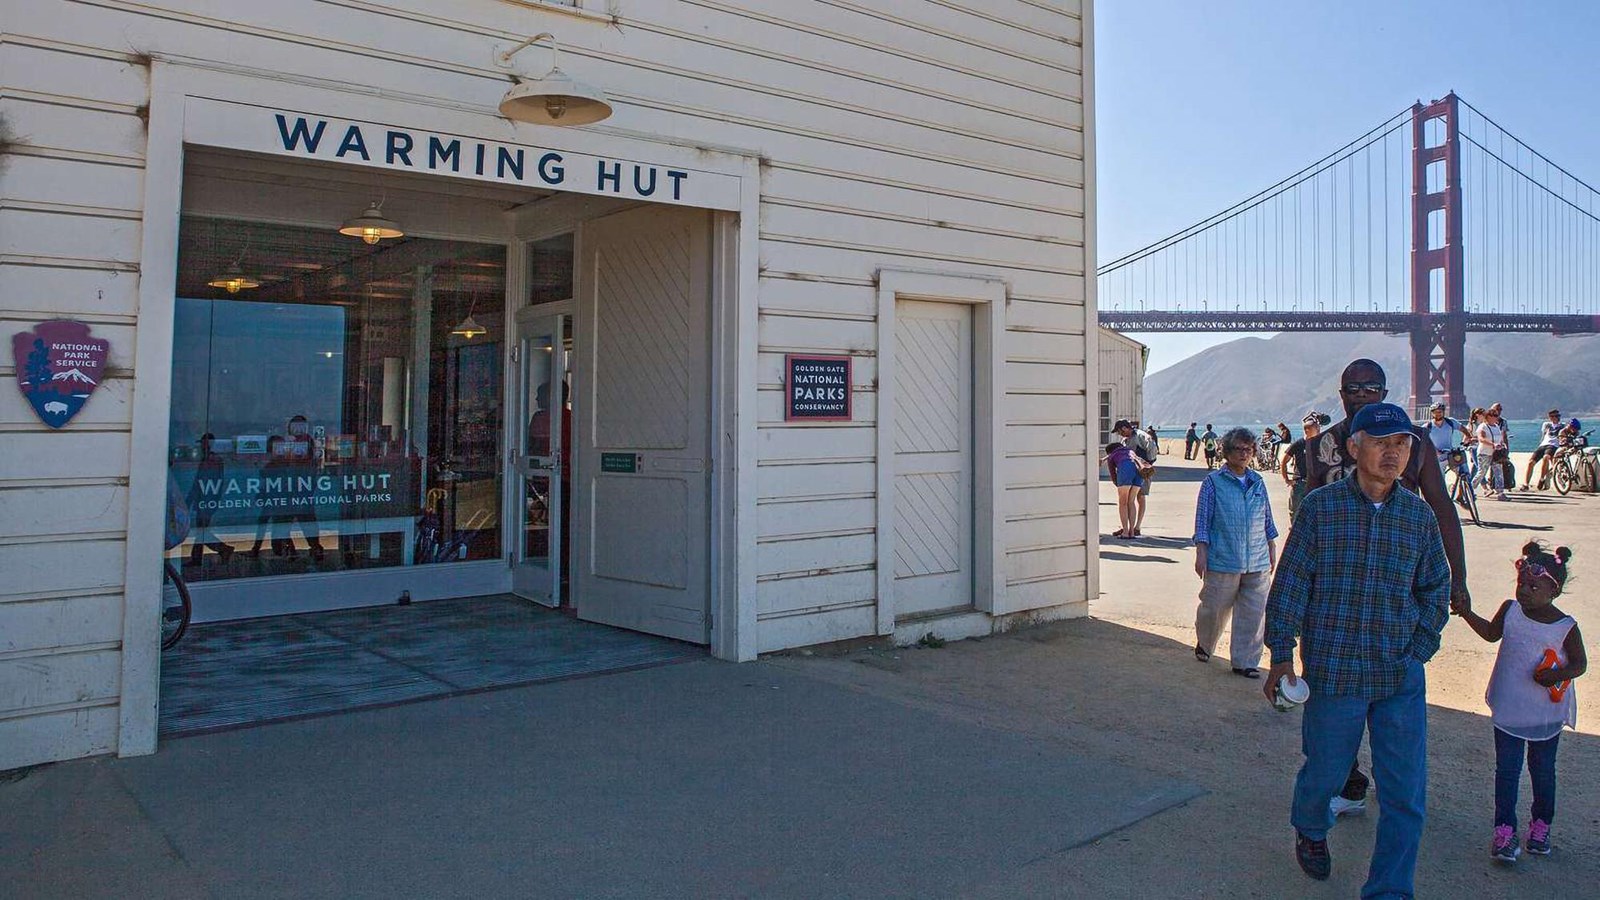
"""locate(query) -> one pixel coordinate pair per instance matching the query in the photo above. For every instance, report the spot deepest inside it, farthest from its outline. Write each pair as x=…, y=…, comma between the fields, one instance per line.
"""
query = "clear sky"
x=1201, y=104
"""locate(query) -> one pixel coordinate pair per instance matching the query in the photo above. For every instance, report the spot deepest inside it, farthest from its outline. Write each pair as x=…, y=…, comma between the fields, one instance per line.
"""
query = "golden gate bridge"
x=1435, y=223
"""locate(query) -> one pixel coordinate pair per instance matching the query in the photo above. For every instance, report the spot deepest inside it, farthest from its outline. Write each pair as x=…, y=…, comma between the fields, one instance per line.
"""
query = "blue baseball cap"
x=1381, y=420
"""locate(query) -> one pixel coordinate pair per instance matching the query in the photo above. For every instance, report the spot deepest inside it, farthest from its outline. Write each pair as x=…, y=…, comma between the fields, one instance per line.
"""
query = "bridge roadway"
x=1391, y=322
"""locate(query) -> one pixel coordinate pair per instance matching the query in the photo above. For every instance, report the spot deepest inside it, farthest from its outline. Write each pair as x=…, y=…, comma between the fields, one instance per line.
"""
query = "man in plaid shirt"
x=1365, y=586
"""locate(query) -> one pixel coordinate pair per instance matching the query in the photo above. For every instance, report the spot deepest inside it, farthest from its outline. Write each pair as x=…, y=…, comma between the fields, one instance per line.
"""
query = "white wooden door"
x=642, y=508
x=933, y=457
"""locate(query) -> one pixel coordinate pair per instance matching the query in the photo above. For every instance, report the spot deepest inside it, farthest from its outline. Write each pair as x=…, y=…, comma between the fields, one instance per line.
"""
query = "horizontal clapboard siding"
x=71, y=198
x=940, y=135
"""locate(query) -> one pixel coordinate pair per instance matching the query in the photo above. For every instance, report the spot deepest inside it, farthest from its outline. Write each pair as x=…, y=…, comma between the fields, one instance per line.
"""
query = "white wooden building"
x=905, y=184
x=1122, y=363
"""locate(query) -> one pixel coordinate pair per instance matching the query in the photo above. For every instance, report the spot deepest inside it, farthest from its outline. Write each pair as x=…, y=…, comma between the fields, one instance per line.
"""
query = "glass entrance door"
x=541, y=459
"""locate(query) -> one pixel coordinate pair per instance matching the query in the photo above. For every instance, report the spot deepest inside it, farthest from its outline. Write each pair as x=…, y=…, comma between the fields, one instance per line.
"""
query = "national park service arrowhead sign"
x=58, y=366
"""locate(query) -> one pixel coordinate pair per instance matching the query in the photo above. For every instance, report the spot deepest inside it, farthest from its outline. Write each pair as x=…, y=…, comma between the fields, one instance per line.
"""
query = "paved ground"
x=700, y=779
x=1046, y=763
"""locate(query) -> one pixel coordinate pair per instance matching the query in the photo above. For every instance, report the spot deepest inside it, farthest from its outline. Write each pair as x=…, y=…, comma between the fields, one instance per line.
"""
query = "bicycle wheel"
x=1561, y=475
x=175, y=607
x=1472, y=498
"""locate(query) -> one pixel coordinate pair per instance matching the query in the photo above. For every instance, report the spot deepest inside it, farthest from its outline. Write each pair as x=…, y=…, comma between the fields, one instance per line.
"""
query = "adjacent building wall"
x=1122, y=362
x=945, y=137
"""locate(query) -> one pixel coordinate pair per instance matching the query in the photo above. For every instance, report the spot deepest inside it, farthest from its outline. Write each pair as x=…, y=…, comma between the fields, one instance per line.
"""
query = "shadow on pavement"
x=1135, y=557
x=1167, y=543
x=1515, y=526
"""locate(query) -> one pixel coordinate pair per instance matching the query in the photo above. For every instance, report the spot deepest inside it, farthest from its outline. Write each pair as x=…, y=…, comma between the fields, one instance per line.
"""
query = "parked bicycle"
x=1266, y=455
x=1574, y=466
x=1461, y=489
x=175, y=606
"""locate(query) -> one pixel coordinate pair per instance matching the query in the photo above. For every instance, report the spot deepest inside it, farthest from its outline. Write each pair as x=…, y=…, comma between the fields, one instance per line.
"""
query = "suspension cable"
x=1291, y=181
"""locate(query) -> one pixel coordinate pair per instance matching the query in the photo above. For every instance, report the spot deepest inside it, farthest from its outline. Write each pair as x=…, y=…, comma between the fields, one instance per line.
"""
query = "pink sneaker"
x=1504, y=849
x=1539, y=837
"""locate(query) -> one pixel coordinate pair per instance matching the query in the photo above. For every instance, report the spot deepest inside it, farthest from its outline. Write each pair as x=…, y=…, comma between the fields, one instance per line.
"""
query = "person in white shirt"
x=1549, y=441
x=1491, y=447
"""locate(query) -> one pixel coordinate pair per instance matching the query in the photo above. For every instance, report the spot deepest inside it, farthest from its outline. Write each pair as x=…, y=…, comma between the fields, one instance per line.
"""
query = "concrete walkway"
x=701, y=779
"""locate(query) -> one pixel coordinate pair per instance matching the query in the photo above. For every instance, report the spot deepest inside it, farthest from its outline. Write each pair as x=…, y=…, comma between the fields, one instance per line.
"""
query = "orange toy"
x=1551, y=661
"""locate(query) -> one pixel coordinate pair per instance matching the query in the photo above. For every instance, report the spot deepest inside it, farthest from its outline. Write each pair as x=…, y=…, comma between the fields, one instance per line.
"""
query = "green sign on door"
x=619, y=462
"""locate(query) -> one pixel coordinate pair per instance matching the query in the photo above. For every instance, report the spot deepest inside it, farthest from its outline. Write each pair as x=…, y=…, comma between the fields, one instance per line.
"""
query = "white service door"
x=643, y=475
x=933, y=457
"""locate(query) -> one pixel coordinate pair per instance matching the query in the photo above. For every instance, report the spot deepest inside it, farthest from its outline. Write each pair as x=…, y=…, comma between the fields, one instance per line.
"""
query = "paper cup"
x=1290, y=694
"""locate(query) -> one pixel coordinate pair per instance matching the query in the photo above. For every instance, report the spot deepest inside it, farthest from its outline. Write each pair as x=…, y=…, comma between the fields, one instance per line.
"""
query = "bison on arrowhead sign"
x=58, y=366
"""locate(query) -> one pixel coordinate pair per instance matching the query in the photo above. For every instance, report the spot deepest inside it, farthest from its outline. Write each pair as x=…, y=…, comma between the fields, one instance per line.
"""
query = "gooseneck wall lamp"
x=553, y=98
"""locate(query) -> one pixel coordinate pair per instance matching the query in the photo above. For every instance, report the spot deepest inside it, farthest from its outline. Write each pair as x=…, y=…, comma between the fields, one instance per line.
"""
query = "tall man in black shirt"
x=1328, y=460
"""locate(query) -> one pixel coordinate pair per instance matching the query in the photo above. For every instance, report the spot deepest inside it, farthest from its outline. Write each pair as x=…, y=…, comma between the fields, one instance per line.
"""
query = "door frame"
x=172, y=86
x=734, y=341
x=988, y=391
x=513, y=496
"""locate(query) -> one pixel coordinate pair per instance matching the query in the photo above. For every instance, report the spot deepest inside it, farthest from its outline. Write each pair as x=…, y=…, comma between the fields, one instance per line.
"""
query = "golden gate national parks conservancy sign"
x=58, y=366
x=816, y=388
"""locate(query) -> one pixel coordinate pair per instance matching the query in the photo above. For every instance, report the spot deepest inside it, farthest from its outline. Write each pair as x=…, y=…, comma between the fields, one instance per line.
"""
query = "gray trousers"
x=1243, y=597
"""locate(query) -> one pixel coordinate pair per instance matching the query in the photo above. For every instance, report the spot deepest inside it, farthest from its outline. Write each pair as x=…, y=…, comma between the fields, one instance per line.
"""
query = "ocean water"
x=1524, y=433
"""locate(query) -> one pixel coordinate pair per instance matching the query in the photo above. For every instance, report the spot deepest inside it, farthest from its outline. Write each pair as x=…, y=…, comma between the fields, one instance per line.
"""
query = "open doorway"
x=614, y=468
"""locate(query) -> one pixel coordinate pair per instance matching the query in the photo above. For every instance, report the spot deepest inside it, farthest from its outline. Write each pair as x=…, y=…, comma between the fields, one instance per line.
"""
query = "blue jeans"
x=1330, y=735
x=1508, y=752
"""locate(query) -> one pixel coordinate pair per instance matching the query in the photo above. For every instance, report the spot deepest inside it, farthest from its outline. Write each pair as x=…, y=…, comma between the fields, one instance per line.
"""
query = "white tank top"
x=1520, y=706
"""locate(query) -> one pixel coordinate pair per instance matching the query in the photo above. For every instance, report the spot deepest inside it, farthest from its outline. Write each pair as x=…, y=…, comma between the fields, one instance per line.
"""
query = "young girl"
x=1127, y=473
x=1530, y=701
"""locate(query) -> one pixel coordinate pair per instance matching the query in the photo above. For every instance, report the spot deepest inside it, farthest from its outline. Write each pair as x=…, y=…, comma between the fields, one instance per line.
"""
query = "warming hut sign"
x=58, y=366
x=816, y=388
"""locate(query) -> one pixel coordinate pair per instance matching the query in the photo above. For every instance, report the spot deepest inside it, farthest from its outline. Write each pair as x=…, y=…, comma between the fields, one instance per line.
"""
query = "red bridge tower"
x=1439, y=340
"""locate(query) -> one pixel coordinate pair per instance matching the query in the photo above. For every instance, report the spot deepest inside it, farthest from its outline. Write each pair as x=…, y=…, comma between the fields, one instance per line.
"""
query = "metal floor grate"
x=252, y=671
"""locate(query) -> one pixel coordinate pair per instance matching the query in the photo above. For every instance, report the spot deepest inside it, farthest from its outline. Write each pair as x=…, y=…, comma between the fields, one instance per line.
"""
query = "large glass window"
x=336, y=405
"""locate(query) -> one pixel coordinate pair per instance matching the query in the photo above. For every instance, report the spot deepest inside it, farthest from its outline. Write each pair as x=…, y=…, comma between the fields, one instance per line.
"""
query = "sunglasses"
x=1240, y=448
x=1535, y=570
x=1363, y=387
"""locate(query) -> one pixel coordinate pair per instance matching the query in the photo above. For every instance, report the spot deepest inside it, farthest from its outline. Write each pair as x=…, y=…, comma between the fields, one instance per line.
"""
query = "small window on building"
x=1105, y=418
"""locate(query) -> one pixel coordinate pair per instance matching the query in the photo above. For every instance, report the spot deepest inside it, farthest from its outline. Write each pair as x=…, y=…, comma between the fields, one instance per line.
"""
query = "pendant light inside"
x=469, y=328
x=371, y=226
x=234, y=280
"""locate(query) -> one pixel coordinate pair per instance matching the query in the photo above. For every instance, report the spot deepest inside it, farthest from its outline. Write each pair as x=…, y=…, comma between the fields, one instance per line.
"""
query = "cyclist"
x=1569, y=434
x=1549, y=442
x=1442, y=432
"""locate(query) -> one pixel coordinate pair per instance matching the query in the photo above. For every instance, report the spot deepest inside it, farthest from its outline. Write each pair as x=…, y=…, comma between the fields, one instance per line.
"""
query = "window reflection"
x=338, y=416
